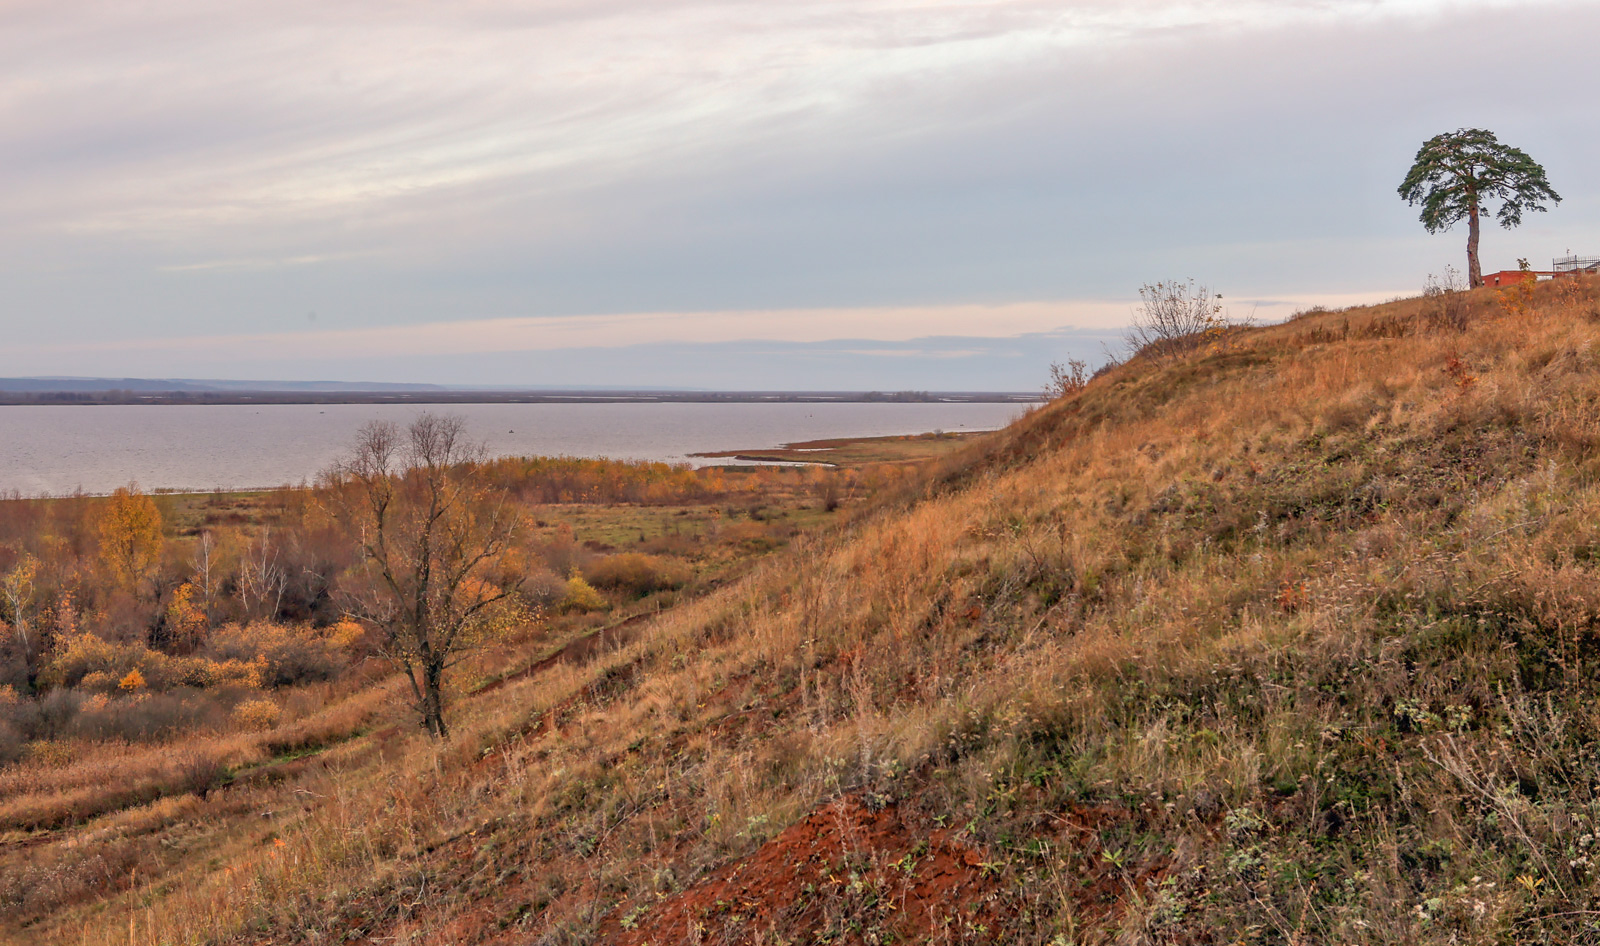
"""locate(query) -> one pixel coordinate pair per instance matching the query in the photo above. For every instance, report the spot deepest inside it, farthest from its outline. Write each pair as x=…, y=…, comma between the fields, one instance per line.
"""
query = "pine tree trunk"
x=1474, y=269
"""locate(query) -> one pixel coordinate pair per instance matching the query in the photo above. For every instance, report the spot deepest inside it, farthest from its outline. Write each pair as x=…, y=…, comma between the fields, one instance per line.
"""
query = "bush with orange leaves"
x=636, y=574
x=285, y=655
x=255, y=714
x=92, y=663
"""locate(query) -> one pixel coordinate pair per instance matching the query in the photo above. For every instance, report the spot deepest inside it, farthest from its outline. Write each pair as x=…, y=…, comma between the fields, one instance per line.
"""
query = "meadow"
x=1286, y=637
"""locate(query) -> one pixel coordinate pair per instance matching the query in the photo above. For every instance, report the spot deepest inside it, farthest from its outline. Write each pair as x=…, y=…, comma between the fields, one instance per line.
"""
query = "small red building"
x=1510, y=277
x=1566, y=266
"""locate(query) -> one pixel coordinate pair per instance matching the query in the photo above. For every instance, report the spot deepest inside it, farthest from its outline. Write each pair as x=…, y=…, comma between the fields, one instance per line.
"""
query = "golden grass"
x=1314, y=579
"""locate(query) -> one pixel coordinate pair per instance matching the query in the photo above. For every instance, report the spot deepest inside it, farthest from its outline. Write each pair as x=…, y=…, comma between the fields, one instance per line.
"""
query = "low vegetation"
x=1285, y=640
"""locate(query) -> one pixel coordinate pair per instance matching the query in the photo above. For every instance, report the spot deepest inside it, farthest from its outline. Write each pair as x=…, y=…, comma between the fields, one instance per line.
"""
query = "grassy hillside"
x=1291, y=640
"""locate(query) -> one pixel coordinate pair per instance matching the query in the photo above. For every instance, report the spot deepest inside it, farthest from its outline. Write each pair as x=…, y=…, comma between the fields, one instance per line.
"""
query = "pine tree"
x=1457, y=172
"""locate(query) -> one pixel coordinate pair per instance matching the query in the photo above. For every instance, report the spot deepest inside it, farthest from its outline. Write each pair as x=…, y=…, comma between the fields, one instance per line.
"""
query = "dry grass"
x=1311, y=620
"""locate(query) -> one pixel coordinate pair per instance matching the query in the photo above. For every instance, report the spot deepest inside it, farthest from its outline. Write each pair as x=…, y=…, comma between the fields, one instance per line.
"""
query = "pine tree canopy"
x=1456, y=172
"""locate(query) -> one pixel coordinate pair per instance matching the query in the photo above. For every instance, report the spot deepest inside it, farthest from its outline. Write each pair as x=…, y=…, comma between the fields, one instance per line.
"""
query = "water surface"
x=96, y=448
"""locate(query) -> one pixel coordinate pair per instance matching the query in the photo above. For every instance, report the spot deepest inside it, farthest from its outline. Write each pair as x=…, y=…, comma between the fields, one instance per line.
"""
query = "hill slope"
x=1292, y=640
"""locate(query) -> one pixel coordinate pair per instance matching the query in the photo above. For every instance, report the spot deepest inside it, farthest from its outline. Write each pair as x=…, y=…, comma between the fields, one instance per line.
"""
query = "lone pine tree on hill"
x=1456, y=172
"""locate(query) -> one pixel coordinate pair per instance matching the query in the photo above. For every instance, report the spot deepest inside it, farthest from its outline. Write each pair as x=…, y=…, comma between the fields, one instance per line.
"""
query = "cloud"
x=191, y=177
x=543, y=334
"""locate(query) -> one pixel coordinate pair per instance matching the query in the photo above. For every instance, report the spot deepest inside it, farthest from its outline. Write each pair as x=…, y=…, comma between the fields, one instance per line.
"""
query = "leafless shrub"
x=544, y=588
x=1445, y=301
x=1174, y=318
x=153, y=717
x=1067, y=379
x=197, y=773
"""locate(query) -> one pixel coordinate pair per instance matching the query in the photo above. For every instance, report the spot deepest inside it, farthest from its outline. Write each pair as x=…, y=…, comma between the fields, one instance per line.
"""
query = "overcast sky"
x=936, y=194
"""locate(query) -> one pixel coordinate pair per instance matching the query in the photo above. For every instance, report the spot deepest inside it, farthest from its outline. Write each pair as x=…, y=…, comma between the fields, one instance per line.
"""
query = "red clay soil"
x=854, y=871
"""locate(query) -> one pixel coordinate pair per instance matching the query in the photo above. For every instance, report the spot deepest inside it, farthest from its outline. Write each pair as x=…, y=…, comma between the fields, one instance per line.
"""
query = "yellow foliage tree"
x=17, y=588
x=133, y=682
x=130, y=535
x=185, y=620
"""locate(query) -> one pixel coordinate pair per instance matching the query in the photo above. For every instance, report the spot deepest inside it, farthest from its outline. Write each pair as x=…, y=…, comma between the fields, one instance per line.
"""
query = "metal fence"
x=1575, y=264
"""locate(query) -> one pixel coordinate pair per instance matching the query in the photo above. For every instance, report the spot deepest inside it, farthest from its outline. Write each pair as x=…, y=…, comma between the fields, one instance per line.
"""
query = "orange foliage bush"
x=284, y=655
x=256, y=714
x=636, y=574
x=590, y=480
x=87, y=661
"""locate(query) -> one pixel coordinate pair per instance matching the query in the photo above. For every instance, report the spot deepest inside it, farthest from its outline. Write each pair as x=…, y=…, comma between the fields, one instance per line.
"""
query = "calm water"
x=58, y=450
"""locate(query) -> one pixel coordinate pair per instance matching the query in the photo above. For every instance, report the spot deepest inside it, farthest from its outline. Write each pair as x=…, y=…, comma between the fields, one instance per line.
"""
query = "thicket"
x=137, y=615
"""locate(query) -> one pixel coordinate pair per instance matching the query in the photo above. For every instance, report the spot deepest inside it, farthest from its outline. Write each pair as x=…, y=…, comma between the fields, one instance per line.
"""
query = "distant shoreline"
x=114, y=397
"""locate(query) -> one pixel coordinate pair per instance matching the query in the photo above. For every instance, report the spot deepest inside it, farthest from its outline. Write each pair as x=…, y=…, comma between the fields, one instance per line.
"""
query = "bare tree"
x=203, y=564
x=1175, y=317
x=431, y=534
x=261, y=578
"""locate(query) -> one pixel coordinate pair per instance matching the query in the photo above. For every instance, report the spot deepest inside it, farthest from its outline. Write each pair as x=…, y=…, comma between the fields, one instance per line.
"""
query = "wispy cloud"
x=482, y=176
x=794, y=326
x=238, y=265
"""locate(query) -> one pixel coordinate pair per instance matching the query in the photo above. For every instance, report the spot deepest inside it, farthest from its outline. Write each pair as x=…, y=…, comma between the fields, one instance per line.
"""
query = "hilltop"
x=1292, y=638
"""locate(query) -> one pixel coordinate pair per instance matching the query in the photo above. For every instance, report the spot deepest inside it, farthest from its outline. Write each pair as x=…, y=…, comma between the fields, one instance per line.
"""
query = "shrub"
x=561, y=552
x=1175, y=318
x=48, y=717
x=1445, y=302
x=146, y=717
x=11, y=744
x=84, y=654
x=1067, y=379
x=52, y=753
x=100, y=666
x=255, y=714
x=346, y=634
x=196, y=772
x=582, y=597
x=228, y=673
x=98, y=681
x=544, y=589
x=284, y=655
x=636, y=574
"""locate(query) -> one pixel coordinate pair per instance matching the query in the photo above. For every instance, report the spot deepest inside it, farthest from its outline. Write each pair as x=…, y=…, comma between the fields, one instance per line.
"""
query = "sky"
x=812, y=194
